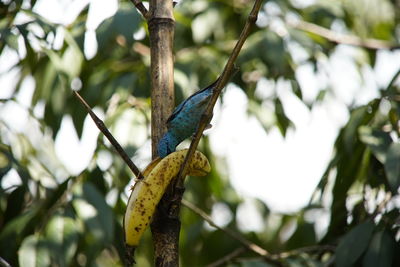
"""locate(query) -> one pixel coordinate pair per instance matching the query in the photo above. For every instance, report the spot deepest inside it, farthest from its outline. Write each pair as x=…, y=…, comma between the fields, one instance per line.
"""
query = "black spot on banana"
x=147, y=193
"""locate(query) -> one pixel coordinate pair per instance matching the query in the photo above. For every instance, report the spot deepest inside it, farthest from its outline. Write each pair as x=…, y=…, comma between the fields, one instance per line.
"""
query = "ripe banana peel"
x=147, y=193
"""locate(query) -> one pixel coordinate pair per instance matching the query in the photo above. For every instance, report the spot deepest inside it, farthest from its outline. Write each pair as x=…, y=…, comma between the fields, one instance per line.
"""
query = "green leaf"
x=206, y=24
x=276, y=60
x=283, y=121
x=96, y=177
x=12, y=41
x=53, y=120
x=13, y=232
x=353, y=244
x=15, y=202
x=91, y=207
x=55, y=195
x=348, y=166
x=19, y=227
x=380, y=251
x=303, y=236
x=72, y=58
x=5, y=160
x=377, y=141
x=125, y=22
x=392, y=167
x=359, y=117
x=33, y=254
x=255, y=263
x=296, y=88
x=63, y=234
x=265, y=116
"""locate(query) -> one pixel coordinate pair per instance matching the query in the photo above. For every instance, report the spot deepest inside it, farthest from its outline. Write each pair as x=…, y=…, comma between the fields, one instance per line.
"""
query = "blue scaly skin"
x=184, y=121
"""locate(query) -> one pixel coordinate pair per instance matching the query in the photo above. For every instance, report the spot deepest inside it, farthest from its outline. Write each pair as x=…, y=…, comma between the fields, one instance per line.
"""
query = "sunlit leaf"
x=378, y=141
x=32, y=254
x=268, y=47
x=264, y=115
x=125, y=23
x=5, y=160
x=359, y=117
x=72, y=58
x=62, y=233
x=91, y=207
x=376, y=20
x=12, y=40
x=205, y=24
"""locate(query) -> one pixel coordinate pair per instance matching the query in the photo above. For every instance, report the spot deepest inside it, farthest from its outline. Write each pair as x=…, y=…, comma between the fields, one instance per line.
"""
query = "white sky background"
x=281, y=171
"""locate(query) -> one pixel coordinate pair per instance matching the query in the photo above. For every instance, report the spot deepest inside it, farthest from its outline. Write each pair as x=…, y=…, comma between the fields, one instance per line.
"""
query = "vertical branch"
x=161, y=28
x=206, y=117
x=165, y=230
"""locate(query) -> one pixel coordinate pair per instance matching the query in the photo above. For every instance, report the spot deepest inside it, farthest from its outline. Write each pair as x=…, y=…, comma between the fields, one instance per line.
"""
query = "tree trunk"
x=165, y=228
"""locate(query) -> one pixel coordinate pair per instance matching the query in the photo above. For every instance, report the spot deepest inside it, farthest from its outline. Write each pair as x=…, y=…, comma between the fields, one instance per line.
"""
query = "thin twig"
x=316, y=248
x=273, y=258
x=205, y=119
x=100, y=124
x=142, y=9
x=227, y=257
x=246, y=243
x=4, y=263
x=340, y=38
x=379, y=209
x=393, y=80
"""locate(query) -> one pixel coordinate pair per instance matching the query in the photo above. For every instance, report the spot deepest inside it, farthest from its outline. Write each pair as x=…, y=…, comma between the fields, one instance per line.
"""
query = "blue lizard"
x=184, y=121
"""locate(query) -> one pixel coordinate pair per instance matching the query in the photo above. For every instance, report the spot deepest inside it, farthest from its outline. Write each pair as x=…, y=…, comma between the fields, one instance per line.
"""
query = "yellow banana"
x=146, y=194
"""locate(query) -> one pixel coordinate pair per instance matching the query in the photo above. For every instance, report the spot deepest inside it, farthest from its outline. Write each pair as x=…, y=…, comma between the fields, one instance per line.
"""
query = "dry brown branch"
x=100, y=124
x=229, y=67
x=316, y=248
x=246, y=243
x=340, y=38
x=227, y=258
x=142, y=9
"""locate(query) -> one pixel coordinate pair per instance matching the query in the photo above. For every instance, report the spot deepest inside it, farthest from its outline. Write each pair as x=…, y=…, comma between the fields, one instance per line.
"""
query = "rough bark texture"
x=161, y=29
x=165, y=228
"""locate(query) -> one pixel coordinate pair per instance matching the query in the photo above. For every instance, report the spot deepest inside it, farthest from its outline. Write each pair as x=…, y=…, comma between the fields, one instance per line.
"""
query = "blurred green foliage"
x=53, y=218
